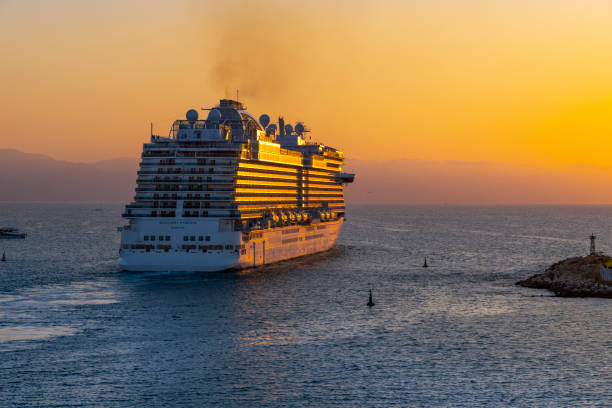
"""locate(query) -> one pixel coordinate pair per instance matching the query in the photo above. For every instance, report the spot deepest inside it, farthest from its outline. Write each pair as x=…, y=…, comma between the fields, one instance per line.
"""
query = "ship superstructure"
x=232, y=191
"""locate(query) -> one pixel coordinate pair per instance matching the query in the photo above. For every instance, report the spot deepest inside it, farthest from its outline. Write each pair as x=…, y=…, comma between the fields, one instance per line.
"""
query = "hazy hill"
x=34, y=177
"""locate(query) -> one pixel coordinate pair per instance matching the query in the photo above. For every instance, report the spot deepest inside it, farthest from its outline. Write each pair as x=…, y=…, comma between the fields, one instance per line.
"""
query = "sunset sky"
x=515, y=82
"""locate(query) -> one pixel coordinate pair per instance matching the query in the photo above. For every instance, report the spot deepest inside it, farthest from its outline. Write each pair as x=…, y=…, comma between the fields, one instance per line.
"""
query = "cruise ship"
x=230, y=192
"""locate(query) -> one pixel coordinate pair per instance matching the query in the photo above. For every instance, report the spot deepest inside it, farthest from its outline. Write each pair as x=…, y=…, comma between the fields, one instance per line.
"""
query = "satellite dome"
x=264, y=120
x=271, y=129
x=192, y=115
x=288, y=129
x=299, y=128
x=214, y=115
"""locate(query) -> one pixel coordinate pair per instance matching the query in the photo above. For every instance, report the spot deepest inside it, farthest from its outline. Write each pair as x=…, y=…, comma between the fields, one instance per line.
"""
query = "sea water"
x=75, y=331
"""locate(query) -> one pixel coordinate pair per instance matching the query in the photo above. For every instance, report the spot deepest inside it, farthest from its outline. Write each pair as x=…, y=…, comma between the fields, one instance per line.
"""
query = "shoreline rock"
x=573, y=277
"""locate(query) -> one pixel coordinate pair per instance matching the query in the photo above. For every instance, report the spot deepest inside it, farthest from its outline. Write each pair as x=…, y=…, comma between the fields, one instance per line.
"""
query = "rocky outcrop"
x=573, y=277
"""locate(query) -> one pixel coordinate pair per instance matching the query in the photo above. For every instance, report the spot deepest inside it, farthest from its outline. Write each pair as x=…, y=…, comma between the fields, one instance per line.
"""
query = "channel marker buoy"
x=3, y=256
x=425, y=263
x=370, y=302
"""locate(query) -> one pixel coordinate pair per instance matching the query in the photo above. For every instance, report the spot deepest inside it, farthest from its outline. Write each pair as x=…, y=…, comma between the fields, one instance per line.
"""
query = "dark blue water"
x=76, y=332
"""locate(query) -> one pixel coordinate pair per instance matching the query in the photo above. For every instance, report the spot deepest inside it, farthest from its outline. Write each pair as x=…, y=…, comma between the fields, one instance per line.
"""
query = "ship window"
x=161, y=237
x=146, y=237
x=167, y=237
x=185, y=238
x=192, y=238
x=208, y=237
x=229, y=246
x=200, y=238
x=152, y=237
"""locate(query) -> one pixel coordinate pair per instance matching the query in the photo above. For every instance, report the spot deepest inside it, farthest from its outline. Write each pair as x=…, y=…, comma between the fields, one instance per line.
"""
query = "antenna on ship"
x=237, y=100
x=281, y=126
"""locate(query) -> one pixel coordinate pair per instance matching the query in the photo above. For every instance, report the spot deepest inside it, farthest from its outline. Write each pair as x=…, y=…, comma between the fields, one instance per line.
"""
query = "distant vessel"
x=232, y=191
x=11, y=233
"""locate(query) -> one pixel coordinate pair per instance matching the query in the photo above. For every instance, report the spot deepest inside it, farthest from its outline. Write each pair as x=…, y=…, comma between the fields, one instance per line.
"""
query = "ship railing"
x=133, y=206
x=161, y=152
x=187, y=177
x=151, y=198
x=214, y=215
x=171, y=191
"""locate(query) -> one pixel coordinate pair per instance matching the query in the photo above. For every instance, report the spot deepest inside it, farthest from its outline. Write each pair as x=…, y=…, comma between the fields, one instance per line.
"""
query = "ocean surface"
x=74, y=331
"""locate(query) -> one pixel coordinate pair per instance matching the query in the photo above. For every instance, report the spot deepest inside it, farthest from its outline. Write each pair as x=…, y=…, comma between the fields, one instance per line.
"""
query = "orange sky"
x=512, y=81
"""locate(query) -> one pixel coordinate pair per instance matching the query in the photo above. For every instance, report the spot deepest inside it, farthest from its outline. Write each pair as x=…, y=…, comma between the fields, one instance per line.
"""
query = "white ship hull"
x=224, y=249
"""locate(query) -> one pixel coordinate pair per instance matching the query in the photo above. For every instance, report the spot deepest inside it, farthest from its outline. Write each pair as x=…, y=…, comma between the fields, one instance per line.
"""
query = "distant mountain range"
x=28, y=177
x=36, y=177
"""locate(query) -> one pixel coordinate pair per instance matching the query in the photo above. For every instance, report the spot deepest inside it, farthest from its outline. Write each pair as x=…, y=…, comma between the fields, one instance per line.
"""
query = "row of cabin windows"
x=180, y=170
x=201, y=170
x=158, y=196
x=201, y=162
x=167, y=247
x=161, y=238
x=193, y=238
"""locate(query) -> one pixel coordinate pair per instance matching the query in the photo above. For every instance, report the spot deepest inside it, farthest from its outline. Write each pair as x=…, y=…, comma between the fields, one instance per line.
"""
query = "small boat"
x=11, y=233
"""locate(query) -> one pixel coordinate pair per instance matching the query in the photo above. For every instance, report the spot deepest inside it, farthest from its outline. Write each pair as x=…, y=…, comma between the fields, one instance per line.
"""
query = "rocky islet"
x=573, y=277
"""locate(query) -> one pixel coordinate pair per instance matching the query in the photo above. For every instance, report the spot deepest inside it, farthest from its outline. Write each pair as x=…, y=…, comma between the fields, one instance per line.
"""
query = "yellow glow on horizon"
x=499, y=81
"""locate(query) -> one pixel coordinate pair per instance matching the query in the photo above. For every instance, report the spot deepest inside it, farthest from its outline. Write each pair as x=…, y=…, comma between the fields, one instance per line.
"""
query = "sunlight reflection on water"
x=40, y=305
x=34, y=332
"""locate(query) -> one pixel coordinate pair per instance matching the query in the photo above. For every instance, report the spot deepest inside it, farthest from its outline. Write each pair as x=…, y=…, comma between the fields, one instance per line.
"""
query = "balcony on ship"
x=139, y=205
